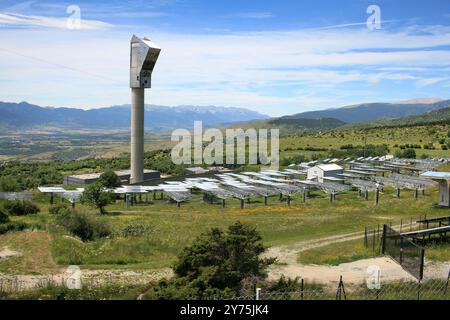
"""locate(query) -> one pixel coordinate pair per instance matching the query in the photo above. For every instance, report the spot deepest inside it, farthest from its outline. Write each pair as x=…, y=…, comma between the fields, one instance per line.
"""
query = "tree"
x=20, y=207
x=3, y=216
x=83, y=225
x=109, y=179
x=408, y=154
x=95, y=195
x=216, y=264
x=227, y=257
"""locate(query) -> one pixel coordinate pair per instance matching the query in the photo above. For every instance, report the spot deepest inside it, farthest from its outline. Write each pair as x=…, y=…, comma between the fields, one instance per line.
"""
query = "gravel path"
x=352, y=272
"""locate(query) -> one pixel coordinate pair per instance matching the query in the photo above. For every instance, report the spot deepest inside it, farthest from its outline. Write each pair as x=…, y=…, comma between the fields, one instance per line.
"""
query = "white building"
x=443, y=178
x=325, y=172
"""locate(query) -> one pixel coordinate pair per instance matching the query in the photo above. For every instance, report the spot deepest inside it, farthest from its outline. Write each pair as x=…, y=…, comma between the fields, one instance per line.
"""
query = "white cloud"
x=21, y=20
x=429, y=81
x=241, y=69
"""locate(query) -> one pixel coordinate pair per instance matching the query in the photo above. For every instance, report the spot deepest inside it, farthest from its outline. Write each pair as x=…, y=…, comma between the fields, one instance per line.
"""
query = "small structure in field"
x=443, y=178
x=325, y=172
x=89, y=178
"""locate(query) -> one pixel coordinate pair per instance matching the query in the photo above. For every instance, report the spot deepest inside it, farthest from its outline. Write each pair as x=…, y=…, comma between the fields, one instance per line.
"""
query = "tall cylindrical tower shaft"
x=137, y=135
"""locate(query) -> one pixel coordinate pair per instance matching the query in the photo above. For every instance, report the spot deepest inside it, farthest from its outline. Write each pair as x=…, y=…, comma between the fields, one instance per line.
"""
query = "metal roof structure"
x=436, y=175
x=363, y=185
x=420, y=182
x=329, y=167
x=130, y=190
x=362, y=172
x=51, y=189
x=333, y=188
x=72, y=195
x=350, y=175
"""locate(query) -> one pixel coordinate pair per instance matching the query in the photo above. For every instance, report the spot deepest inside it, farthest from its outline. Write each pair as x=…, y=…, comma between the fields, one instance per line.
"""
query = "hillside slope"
x=432, y=117
x=288, y=126
x=373, y=111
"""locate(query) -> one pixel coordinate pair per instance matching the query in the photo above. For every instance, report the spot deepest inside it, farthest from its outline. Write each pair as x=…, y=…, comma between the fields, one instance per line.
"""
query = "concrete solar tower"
x=143, y=56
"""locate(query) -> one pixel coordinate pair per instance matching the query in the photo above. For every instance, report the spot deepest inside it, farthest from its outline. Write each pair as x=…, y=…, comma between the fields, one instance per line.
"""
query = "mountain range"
x=160, y=118
x=358, y=117
x=157, y=118
x=374, y=111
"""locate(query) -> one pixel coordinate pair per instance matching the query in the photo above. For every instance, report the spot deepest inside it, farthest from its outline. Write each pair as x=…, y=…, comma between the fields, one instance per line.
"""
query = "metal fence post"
x=383, y=239
x=258, y=292
x=422, y=261
x=446, y=285
x=302, y=288
x=341, y=290
x=373, y=243
x=365, y=237
x=418, y=290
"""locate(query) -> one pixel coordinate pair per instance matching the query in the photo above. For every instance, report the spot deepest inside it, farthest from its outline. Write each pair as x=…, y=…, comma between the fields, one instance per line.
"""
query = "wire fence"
x=436, y=289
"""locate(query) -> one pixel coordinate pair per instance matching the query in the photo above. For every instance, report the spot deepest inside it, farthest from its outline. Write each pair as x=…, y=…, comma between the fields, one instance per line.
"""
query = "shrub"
x=9, y=184
x=136, y=230
x=96, y=196
x=12, y=227
x=408, y=154
x=20, y=208
x=3, y=216
x=84, y=225
x=60, y=208
x=109, y=179
x=216, y=264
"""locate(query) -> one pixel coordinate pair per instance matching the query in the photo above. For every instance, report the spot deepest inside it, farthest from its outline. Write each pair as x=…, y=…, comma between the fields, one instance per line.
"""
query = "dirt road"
x=353, y=272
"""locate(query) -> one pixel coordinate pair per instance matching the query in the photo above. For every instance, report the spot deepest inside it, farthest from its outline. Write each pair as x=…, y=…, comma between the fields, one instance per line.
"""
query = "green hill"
x=440, y=116
x=293, y=126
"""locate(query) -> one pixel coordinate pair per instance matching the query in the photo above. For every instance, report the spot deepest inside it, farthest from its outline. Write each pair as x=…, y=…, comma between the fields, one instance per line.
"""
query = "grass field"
x=171, y=229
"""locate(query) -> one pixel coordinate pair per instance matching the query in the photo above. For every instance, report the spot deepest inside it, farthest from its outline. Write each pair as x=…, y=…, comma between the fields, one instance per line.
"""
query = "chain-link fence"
x=408, y=254
x=434, y=289
x=428, y=290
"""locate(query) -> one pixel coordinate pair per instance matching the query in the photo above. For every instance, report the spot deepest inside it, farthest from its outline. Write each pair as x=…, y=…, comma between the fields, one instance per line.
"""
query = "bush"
x=95, y=195
x=84, y=225
x=216, y=264
x=408, y=154
x=3, y=216
x=136, y=230
x=60, y=208
x=109, y=179
x=20, y=208
x=12, y=227
x=9, y=184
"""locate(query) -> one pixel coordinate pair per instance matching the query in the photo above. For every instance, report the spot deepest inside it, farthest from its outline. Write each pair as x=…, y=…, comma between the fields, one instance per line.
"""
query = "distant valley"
x=30, y=132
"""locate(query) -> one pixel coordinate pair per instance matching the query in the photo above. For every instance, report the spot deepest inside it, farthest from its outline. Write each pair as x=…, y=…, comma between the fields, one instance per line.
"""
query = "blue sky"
x=275, y=57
